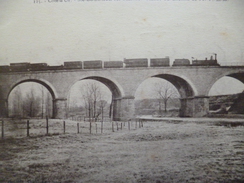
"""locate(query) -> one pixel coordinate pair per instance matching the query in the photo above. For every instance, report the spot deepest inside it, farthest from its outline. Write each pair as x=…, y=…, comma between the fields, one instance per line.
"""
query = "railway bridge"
x=192, y=82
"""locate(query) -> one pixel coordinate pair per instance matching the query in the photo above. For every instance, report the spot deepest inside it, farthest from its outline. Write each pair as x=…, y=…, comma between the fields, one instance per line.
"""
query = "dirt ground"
x=160, y=152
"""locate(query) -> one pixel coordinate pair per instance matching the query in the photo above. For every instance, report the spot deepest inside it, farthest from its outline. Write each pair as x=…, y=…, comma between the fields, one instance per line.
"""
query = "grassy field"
x=159, y=152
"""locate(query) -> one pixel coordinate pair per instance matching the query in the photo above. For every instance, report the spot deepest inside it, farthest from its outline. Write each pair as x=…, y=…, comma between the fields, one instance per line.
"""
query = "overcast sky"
x=56, y=32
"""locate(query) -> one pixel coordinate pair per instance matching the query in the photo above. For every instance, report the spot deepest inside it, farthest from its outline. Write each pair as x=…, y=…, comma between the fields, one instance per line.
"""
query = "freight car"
x=181, y=62
x=73, y=65
x=94, y=64
x=159, y=62
x=19, y=67
x=4, y=68
x=38, y=66
x=136, y=62
x=113, y=64
x=58, y=67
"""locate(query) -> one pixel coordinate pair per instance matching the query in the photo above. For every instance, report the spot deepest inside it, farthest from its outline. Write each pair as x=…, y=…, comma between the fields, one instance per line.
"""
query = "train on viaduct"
x=98, y=64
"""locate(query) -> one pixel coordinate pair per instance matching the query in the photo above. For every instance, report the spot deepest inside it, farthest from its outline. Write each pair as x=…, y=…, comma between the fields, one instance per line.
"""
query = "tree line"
x=34, y=102
x=90, y=101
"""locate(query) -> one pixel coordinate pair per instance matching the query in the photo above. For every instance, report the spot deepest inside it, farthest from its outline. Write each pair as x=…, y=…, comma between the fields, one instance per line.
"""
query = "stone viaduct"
x=192, y=82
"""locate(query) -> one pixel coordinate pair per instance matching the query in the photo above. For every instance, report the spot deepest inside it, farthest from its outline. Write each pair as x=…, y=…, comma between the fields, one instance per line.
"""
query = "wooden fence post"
x=112, y=126
x=121, y=125
x=102, y=127
x=90, y=126
x=28, y=127
x=64, y=125
x=2, y=129
x=129, y=125
x=78, y=128
x=47, y=125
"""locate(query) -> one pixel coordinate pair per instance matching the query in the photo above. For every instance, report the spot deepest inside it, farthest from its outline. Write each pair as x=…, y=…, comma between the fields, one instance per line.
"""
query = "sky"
x=54, y=32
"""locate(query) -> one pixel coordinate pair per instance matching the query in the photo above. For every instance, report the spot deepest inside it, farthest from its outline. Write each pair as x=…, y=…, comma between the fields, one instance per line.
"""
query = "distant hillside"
x=150, y=106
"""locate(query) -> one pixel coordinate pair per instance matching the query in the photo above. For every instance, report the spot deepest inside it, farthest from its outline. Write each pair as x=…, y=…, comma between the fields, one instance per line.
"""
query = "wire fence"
x=39, y=127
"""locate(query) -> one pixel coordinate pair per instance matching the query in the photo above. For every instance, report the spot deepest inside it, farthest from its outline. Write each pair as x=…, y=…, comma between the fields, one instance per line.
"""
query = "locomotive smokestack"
x=215, y=56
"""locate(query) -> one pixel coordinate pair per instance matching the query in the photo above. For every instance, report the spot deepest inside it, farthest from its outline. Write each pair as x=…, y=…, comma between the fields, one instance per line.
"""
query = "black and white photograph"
x=122, y=91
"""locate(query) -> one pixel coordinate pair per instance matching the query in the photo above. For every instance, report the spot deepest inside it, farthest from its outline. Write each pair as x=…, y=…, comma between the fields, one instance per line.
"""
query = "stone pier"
x=197, y=106
x=60, y=108
x=4, y=108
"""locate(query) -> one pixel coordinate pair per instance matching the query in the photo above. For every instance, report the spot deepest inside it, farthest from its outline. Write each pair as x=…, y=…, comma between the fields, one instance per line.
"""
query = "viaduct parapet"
x=192, y=82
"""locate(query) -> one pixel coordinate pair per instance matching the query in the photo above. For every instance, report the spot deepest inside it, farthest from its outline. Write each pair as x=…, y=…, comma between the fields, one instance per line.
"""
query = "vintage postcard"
x=122, y=91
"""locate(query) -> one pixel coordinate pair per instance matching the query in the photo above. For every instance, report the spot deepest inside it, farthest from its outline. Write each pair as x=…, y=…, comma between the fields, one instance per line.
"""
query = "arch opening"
x=157, y=97
x=116, y=93
x=93, y=97
x=226, y=95
x=183, y=87
x=173, y=87
x=30, y=99
x=45, y=84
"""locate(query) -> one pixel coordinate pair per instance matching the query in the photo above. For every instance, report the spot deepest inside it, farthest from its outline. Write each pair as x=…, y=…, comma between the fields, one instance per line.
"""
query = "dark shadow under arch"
x=183, y=87
x=227, y=94
x=36, y=81
x=116, y=93
x=238, y=76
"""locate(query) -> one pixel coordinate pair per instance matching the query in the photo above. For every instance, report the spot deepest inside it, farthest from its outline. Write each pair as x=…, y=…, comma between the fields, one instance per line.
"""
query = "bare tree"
x=42, y=100
x=102, y=105
x=31, y=104
x=111, y=108
x=87, y=97
x=164, y=92
x=48, y=104
x=16, y=102
x=92, y=95
x=96, y=97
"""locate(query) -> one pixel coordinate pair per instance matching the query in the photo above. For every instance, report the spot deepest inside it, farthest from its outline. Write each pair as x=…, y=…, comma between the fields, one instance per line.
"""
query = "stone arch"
x=115, y=90
x=237, y=75
x=113, y=86
x=43, y=82
x=184, y=88
x=235, y=105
